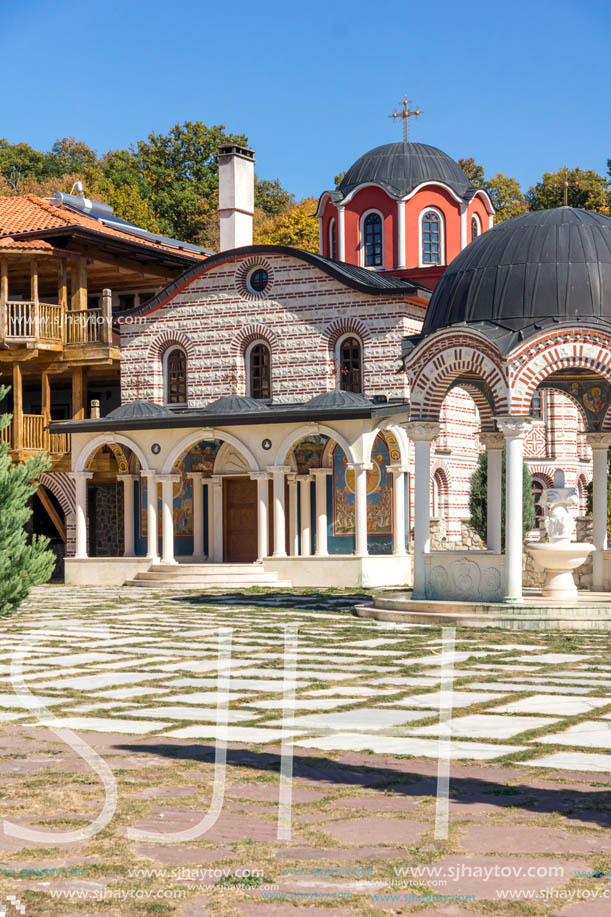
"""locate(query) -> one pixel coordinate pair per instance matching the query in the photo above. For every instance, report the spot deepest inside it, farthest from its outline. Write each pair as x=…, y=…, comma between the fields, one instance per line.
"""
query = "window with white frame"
x=475, y=227
x=431, y=237
x=372, y=243
x=258, y=360
x=349, y=361
x=175, y=375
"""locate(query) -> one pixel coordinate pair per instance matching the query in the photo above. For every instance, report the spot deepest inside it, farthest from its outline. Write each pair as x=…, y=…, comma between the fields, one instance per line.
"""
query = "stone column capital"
x=492, y=440
x=304, y=478
x=422, y=430
x=259, y=476
x=81, y=475
x=279, y=469
x=514, y=426
x=216, y=480
x=359, y=466
x=195, y=476
x=169, y=478
x=321, y=472
x=397, y=469
x=598, y=440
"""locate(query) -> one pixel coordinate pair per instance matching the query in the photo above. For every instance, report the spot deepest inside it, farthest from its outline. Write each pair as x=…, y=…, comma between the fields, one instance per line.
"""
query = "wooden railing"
x=43, y=321
x=34, y=437
x=84, y=326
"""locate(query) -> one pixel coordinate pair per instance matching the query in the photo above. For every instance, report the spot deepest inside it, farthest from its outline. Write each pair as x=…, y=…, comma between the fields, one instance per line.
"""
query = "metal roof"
x=401, y=167
x=546, y=267
x=204, y=417
x=138, y=410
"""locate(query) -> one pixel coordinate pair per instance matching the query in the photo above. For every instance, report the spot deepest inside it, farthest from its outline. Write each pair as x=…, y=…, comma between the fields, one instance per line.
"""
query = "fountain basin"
x=558, y=560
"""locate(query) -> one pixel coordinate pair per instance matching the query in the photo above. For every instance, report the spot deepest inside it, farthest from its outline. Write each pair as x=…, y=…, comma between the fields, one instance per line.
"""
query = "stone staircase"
x=212, y=576
x=591, y=612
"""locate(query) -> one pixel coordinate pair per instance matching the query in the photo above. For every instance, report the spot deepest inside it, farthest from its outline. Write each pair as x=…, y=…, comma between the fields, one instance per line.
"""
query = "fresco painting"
x=379, y=492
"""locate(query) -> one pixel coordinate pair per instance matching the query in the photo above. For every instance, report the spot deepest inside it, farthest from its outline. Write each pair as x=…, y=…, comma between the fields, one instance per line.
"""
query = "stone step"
x=534, y=620
x=201, y=583
x=181, y=569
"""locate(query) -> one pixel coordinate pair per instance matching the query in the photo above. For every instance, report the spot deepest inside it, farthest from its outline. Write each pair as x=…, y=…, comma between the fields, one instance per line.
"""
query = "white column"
x=600, y=443
x=514, y=429
x=494, y=443
x=463, y=226
x=279, y=472
x=262, y=479
x=422, y=433
x=198, y=514
x=151, y=516
x=360, y=506
x=401, y=252
x=320, y=477
x=306, y=514
x=215, y=519
x=398, y=503
x=293, y=549
x=167, y=517
x=129, y=534
x=341, y=238
x=80, y=480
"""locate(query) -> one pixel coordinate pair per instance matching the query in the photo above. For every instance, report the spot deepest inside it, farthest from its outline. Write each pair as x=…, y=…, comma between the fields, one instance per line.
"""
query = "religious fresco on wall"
x=200, y=457
x=308, y=453
x=379, y=492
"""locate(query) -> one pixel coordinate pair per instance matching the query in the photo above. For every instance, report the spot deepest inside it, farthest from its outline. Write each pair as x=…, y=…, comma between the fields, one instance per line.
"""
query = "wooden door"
x=240, y=520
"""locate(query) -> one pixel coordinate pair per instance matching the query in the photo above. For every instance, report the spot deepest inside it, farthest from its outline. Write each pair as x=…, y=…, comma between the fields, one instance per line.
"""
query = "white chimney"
x=236, y=195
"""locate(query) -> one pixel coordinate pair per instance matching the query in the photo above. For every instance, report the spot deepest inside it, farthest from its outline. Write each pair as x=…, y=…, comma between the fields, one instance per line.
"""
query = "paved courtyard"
x=134, y=673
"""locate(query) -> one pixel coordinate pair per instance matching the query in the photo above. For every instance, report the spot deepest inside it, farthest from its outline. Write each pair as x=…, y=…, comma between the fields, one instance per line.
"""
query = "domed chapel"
x=322, y=414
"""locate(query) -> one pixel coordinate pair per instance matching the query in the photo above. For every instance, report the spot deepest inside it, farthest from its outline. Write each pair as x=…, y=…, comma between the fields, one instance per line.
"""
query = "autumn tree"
x=504, y=192
x=585, y=189
x=297, y=226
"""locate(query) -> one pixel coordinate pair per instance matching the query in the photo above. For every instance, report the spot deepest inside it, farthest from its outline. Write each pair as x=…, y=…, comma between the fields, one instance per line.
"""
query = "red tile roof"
x=28, y=213
x=25, y=245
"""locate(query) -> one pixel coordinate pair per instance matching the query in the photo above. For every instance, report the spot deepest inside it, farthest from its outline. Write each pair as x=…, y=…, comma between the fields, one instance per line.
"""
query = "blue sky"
x=521, y=86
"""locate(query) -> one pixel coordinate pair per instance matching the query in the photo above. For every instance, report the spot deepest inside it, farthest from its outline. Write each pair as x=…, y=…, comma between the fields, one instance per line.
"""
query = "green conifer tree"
x=478, y=499
x=23, y=563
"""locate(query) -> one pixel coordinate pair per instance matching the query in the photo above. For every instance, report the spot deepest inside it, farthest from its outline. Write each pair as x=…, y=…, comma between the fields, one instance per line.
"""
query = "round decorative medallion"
x=155, y=448
x=266, y=444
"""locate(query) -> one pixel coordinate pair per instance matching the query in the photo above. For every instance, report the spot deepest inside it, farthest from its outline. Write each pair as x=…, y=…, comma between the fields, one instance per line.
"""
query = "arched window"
x=333, y=240
x=475, y=230
x=350, y=373
x=537, y=489
x=372, y=240
x=175, y=376
x=432, y=238
x=259, y=363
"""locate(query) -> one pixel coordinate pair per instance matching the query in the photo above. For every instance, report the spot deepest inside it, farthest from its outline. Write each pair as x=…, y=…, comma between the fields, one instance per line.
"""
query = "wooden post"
x=78, y=277
x=46, y=409
x=17, y=407
x=34, y=299
x=79, y=392
x=106, y=335
x=3, y=296
x=62, y=296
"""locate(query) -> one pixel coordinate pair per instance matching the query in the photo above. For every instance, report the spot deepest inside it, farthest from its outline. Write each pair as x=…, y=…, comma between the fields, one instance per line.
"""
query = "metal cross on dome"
x=406, y=113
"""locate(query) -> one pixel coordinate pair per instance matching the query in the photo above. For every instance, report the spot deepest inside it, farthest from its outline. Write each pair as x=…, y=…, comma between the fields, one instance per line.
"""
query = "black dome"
x=401, y=167
x=546, y=266
x=235, y=404
x=138, y=410
x=336, y=399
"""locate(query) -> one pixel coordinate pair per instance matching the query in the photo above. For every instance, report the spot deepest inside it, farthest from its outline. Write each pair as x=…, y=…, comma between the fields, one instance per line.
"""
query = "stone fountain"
x=559, y=556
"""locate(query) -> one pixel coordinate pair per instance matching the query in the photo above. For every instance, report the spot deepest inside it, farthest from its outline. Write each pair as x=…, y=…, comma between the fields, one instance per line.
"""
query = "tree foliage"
x=167, y=183
x=478, y=499
x=504, y=192
x=296, y=226
x=23, y=564
x=585, y=189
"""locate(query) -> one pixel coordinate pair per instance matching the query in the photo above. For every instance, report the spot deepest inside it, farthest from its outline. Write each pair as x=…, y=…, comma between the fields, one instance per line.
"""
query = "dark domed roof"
x=137, y=410
x=546, y=266
x=401, y=167
x=235, y=404
x=336, y=399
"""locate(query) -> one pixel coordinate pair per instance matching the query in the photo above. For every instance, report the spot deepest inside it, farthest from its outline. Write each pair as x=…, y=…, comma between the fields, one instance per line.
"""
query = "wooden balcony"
x=34, y=438
x=40, y=323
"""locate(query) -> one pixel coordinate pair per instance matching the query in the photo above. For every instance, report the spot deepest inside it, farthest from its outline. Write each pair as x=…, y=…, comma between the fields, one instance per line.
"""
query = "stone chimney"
x=236, y=195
